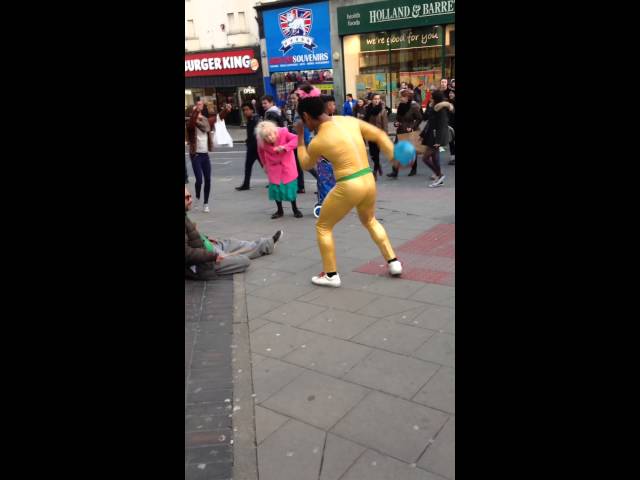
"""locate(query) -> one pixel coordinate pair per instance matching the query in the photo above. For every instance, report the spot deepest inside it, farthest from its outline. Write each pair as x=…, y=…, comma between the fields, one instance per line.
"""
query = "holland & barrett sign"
x=394, y=15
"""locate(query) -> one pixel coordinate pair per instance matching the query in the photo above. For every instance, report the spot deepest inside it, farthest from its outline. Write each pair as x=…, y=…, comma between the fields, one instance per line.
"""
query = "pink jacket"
x=280, y=167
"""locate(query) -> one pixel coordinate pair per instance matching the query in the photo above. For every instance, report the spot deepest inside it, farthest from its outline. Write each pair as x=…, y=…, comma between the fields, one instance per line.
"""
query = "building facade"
x=222, y=55
x=385, y=43
x=296, y=40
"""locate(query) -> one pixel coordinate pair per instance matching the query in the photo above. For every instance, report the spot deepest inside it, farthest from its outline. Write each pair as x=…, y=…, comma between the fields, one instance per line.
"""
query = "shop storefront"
x=298, y=46
x=223, y=77
x=387, y=43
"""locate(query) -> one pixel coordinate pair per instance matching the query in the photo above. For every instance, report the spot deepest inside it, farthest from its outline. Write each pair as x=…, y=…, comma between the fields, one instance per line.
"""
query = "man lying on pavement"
x=204, y=257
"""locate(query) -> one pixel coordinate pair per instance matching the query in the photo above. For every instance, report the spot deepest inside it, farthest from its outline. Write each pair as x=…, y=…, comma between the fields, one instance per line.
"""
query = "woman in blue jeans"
x=200, y=144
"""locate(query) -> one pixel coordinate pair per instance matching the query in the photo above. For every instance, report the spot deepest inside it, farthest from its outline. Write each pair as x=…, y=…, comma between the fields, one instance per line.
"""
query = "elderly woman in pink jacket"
x=275, y=148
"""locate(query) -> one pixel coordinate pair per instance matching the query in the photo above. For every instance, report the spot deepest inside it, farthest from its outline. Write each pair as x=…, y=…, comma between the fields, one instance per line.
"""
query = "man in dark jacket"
x=252, y=144
x=271, y=112
x=408, y=119
x=204, y=257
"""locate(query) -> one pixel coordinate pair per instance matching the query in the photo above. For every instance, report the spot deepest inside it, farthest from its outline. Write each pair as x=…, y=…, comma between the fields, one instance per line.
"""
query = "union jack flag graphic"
x=295, y=25
x=296, y=22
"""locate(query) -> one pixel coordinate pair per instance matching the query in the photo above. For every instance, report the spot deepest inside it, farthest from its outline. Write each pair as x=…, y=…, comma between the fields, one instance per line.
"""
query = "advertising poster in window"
x=298, y=37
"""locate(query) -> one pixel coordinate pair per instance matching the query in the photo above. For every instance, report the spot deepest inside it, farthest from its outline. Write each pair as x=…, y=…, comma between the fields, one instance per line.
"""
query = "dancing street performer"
x=340, y=140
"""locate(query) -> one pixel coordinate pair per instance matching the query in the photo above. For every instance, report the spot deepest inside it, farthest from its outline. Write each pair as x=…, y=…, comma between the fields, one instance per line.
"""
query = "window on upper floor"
x=242, y=23
x=191, y=29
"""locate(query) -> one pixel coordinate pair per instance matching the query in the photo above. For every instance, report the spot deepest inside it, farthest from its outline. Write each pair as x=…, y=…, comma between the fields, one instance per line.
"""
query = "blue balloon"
x=404, y=152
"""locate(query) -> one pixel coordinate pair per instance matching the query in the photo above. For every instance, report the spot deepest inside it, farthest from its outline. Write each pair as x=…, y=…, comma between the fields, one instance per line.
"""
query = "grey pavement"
x=354, y=383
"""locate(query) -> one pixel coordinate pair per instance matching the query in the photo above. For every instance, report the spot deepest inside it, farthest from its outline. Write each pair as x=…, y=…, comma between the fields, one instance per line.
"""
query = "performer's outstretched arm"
x=374, y=134
x=307, y=156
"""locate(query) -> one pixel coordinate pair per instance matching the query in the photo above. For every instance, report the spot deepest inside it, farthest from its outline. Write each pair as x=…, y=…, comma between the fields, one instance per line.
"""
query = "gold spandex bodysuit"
x=340, y=141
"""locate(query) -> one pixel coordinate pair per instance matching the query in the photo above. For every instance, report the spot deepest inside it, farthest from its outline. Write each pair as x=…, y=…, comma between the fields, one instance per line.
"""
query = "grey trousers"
x=247, y=251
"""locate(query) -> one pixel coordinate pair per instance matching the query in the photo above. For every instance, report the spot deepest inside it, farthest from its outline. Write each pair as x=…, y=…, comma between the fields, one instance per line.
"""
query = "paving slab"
x=374, y=466
x=267, y=422
x=294, y=313
x=316, y=399
x=338, y=323
x=391, y=373
x=440, y=348
x=328, y=355
x=270, y=375
x=339, y=455
x=277, y=340
x=440, y=456
x=391, y=426
x=294, y=452
x=393, y=336
x=440, y=391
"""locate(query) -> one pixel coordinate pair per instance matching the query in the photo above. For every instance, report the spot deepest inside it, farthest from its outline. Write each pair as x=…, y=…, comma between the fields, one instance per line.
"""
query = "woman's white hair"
x=264, y=128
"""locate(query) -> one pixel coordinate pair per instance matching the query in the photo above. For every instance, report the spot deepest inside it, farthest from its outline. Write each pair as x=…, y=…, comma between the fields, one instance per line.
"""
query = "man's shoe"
x=297, y=214
x=324, y=281
x=277, y=236
x=242, y=187
x=206, y=208
x=277, y=215
x=411, y=173
x=392, y=175
x=395, y=268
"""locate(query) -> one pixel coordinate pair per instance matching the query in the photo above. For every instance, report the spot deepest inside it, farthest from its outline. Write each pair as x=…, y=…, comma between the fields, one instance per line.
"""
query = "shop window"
x=450, y=52
x=231, y=22
x=383, y=60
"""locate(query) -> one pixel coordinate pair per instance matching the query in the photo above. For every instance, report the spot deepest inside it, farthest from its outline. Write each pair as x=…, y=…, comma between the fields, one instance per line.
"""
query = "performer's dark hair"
x=249, y=105
x=314, y=106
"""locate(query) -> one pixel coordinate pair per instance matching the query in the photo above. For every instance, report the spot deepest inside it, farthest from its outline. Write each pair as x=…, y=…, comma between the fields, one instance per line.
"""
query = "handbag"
x=415, y=139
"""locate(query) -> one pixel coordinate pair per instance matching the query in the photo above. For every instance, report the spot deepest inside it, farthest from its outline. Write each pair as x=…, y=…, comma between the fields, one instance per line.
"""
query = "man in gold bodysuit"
x=340, y=140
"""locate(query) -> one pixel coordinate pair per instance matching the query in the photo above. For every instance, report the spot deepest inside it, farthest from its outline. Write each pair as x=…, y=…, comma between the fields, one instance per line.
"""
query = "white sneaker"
x=395, y=268
x=324, y=281
x=205, y=209
x=438, y=183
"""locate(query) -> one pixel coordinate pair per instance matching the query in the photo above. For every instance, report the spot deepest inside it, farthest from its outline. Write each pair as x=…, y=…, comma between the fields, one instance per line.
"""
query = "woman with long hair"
x=359, y=110
x=436, y=135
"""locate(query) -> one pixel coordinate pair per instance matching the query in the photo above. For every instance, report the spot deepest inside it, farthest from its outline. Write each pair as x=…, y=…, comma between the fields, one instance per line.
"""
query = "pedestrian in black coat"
x=436, y=134
x=252, y=144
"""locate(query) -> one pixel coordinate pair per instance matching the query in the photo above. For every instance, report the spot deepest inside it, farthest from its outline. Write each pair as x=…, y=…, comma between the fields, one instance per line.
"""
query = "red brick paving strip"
x=428, y=258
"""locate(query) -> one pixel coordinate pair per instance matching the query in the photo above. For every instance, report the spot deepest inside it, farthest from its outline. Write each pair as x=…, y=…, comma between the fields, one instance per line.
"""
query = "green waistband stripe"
x=357, y=174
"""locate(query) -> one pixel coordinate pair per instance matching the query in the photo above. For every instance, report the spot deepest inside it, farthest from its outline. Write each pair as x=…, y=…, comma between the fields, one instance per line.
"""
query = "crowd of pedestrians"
x=424, y=116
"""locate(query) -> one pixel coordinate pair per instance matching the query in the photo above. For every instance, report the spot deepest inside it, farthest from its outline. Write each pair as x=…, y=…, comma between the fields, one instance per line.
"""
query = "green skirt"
x=282, y=192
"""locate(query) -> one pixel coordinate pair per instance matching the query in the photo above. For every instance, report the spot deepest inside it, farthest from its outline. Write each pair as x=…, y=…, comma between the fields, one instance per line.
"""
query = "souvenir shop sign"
x=298, y=38
x=234, y=62
x=394, y=15
x=401, y=39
